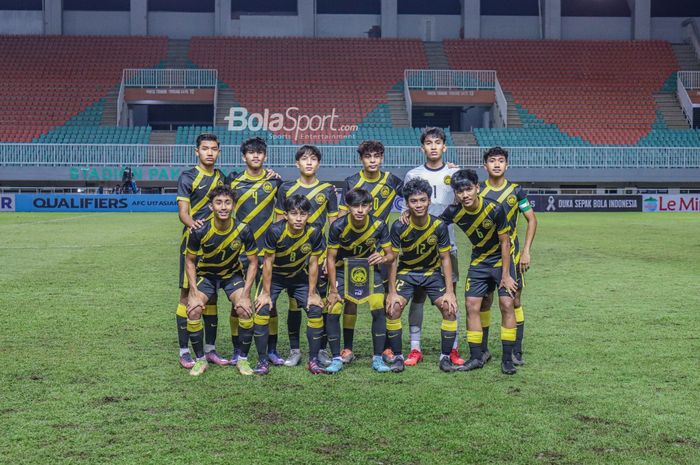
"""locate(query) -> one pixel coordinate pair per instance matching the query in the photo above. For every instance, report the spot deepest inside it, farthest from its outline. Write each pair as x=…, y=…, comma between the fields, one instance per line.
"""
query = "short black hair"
x=223, y=190
x=311, y=149
x=355, y=197
x=370, y=146
x=416, y=186
x=207, y=136
x=254, y=144
x=432, y=132
x=496, y=152
x=297, y=202
x=464, y=179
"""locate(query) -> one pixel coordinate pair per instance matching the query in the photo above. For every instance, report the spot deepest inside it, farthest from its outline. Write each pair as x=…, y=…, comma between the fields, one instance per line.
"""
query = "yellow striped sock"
x=508, y=334
x=349, y=321
x=519, y=314
x=475, y=337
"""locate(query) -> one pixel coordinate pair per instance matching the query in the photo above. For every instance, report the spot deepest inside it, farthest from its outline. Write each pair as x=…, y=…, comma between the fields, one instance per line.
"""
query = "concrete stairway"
x=436, y=55
x=670, y=108
x=463, y=138
x=163, y=137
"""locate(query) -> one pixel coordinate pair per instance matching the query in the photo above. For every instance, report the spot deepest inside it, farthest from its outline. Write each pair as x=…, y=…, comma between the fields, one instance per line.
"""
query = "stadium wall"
x=180, y=25
x=21, y=22
x=341, y=25
x=96, y=23
x=580, y=28
x=442, y=27
x=510, y=27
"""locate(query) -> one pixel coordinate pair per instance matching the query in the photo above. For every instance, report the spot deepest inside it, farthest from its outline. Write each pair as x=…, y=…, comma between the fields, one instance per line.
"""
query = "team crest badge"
x=432, y=240
x=358, y=275
x=487, y=224
x=235, y=245
x=448, y=180
x=370, y=242
x=267, y=187
x=306, y=248
x=320, y=198
x=511, y=200
x=385, y=191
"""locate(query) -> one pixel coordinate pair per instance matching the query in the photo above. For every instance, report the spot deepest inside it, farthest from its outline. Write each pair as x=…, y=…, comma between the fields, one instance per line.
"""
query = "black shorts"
x=433, y=285
x=483, y=280
x=297, y=288
x=340, y=281
x=210, y=285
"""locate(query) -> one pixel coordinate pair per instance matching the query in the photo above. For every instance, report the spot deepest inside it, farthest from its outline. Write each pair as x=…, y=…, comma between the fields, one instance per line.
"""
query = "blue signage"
x=94, y=203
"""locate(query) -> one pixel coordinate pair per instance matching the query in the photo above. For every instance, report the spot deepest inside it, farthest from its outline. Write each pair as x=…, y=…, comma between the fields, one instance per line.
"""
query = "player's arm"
x=266, y=281
x=444, y=247
x=393, y=299
x=317, y=249
x=342, y=208
x=333, y=296
x=195, y=299
x=332, y=205
x=529, y=215
x=388, y=254
x=279, y=202
x=184, y=189
x=503, y=230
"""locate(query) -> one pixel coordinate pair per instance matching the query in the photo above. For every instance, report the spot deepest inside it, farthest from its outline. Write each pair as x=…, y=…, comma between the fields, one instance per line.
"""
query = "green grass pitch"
x=90, y=375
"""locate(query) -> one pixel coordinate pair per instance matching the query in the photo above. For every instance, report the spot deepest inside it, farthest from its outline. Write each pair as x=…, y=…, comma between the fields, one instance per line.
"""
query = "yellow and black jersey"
x=357, y=243
x=292, y=250
x=256, y=202
x=512, y=198
x=193, y=187
x=324, y=202
x=419, y=248
x=482, y=227
x=384, y=190
x=219, y=251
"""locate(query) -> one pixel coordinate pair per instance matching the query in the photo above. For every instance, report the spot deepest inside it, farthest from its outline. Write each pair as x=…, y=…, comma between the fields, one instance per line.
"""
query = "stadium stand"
x=574, y=92
x=352, y=76
x=54, y=88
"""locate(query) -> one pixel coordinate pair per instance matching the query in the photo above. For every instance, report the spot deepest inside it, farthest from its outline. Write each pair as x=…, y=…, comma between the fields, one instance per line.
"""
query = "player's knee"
x=261, y=320
x=264, y=311
x=375, y=301
x=210, y=310
x=194, y=326
x=337, y=309
x=181, y=310
x=486, y=302
x=315, y=312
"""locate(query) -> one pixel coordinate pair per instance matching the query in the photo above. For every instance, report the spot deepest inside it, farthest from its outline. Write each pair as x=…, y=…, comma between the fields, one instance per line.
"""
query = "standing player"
x=438, y=174
x=424, y=263
x=193, y=188
x=383, y=188
x=357, y=235
x=513, y=199
x=292, y=249
x=256, y=189
x=324, y=206
x=212, y=263
x=485, y=224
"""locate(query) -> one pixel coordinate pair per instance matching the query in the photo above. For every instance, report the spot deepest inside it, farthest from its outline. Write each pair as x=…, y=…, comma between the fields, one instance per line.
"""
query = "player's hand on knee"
x=244, y=303
x=333, y=298
x=393, y=303
x=449, y=304
x=262, y=300
x=242, y=311
x=509, y=284
x=314, y=299
x=195, y=312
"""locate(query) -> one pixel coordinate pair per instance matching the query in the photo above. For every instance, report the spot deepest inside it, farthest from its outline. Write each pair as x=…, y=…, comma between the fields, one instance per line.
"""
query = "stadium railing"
x=687, y=80
x=346, y=156
x=446, y=79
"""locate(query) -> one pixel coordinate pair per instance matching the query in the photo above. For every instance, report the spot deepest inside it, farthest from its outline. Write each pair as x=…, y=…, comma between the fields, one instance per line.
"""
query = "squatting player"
x=323, y=206
x=424, y=264
x=193, y=189
x=257, y=189
x=357, y=235
x=383, y=187
x=485, y=224
x=212, y=263
x=513, y=199
x=438, y=174
x=292, y=250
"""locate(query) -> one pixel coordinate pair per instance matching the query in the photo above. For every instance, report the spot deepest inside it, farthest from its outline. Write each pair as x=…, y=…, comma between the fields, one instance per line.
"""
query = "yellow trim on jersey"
x=205, y=200
x=423, y=236
x=184, y=199
x=386, y=203
x=297, y=244
x=298, y=184
x=486, y=238
x=480, y=218
x=263, y=228
x=227, y=241
x=445, y=249
x=292, y=264
x=425, y=255
x=320, y=211
x=370, y=230
x=485, y=255
x=366, y=179
x=254, y=212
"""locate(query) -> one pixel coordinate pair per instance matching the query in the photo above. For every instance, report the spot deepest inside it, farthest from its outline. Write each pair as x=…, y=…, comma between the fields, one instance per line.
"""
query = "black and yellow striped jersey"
x=384, y=190
x=193, y=187
x=292, y=250
x=256, y=202
x=482, y=227
x=513, y=199
x=219, y=251
x=324, y=202
x=357, y=243
x=419, y=248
